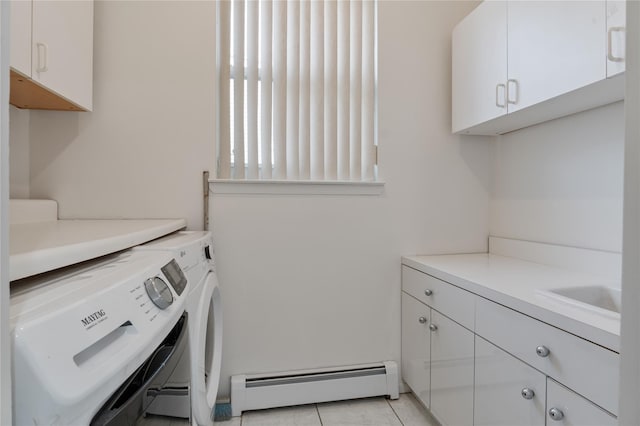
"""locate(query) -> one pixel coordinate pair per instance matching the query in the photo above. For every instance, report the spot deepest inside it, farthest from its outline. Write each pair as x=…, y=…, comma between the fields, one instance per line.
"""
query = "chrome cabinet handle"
x=422, y=320
x=504, y=88
x=543, y=351
x=527, y=393
x=610, y=44
x=556, y=414
x=428, y=292
x=42, y=57
x=433, y=327
x=516, y=91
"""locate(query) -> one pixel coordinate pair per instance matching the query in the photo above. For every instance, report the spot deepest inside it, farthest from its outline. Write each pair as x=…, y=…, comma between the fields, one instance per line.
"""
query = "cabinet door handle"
x=610, y=44
x=41, y=49
x=543, y=351
x=433, y=327
x=516, y=91
x=428, y=292
x=556, y=414
x=527, y=393
x=504, y=89
x=422, y=320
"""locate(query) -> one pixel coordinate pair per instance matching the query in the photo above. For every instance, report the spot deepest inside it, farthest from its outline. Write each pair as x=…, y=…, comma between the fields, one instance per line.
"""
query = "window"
x=297, y=90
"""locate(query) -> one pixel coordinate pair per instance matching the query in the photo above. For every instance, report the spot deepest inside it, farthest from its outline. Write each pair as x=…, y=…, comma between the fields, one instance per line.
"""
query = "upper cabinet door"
x=616, y=34
x=554, y=47
x=21, y=37
x=62, y=48
x=479, y=66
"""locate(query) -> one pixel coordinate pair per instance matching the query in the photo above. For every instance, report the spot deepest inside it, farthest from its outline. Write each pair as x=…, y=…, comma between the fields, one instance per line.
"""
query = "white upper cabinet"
x=52, y=54
x=480, y=65
x=21, y=37
x=616, y=17
x=521, y=62
x=554, y=47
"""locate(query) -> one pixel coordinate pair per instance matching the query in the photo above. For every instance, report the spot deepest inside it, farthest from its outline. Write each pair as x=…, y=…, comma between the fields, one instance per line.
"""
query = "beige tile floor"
x=405, y=411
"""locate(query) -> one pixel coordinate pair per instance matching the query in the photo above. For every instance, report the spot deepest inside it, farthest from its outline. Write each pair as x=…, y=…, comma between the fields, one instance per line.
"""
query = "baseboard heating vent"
x=260, y=391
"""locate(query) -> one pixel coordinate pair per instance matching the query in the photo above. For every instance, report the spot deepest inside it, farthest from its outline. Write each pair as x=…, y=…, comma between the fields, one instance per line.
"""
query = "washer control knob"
x=159, y=292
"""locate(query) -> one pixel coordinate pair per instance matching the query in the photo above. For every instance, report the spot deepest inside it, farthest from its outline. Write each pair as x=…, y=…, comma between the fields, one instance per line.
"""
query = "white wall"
x=19, y=152
x=312, y=281
x=561, y=182
x=141, y=152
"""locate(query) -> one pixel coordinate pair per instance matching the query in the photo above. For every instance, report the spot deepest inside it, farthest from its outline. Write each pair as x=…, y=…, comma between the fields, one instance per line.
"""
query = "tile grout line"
x=319, y=416
x=394, y=412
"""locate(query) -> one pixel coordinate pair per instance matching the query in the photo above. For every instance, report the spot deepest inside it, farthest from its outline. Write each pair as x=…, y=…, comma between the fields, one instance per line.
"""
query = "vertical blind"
x=296, y=90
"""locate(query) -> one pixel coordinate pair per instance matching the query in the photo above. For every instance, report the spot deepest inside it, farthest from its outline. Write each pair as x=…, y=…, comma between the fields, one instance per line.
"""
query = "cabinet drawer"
x=454, y=302
x=589, y=369
x=575, y=410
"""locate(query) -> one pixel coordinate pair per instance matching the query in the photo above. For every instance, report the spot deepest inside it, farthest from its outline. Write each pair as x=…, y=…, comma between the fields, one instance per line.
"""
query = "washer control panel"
x=159, y=292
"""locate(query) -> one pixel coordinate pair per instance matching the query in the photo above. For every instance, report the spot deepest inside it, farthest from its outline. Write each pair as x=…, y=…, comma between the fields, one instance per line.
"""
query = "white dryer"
x=89, y=340
x=191, y=391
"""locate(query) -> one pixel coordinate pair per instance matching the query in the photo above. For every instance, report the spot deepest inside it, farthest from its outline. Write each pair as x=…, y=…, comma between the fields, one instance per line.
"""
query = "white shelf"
x=39, y=247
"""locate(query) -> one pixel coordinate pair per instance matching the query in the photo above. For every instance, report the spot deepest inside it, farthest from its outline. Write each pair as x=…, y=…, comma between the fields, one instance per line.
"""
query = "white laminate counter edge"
x=514, y=282
x=36, y=248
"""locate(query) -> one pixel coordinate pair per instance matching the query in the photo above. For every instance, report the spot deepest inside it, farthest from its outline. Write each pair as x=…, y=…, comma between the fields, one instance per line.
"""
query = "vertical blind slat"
x=266, y=13
x=252, y=88
x=355, y=91
x=305, y=48
x=368, y=94
x=238, y=88
x=279, y=88
x=293, y=86
x=224, y=135
x=343, y=89
x=330, y=90
x=316, y=106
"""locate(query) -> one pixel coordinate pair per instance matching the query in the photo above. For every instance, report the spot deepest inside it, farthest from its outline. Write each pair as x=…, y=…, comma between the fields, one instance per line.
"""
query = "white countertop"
x=39, y=247
x=516, y=284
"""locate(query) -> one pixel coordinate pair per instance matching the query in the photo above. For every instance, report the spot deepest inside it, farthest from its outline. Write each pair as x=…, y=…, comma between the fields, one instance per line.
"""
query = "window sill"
x=297, y=187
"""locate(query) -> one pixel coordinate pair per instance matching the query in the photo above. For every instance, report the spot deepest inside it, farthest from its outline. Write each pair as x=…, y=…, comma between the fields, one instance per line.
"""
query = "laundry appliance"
x=90, y=340
x=191, y=391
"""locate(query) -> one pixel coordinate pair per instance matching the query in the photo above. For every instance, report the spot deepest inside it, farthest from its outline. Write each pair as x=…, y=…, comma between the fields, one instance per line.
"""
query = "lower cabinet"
x=416, y=347
x=437, y=362
x=465, y=376
x=508, y=392
x=451, y=371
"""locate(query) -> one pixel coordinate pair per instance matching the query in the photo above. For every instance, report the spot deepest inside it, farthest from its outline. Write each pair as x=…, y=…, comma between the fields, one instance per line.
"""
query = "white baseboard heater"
x=260, y=391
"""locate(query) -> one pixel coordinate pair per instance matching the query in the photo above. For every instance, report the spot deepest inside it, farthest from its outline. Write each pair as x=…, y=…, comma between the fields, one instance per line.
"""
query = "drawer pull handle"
x=527, y=393
x=433, y=327
x=428, y=292
x=543, y=351
x=556, y=414
x=422, y=320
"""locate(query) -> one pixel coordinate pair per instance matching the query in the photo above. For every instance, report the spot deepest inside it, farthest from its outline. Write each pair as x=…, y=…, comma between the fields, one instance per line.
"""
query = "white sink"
x=600, y=300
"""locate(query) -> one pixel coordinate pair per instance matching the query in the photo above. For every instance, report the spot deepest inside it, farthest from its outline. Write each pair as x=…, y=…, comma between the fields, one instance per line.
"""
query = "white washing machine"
x=191, y=391
x=89, y=340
